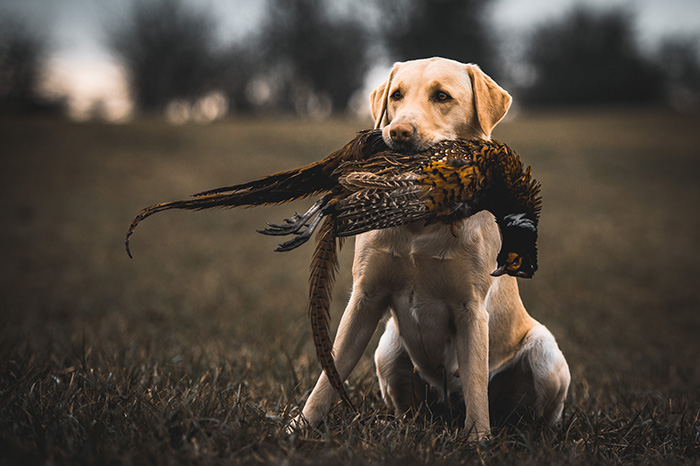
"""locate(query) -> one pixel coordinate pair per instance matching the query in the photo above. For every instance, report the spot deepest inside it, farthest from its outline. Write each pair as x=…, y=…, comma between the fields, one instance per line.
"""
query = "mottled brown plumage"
x=367, y=186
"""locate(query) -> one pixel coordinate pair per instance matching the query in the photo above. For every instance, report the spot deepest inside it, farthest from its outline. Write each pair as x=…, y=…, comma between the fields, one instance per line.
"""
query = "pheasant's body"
x=367, y=186
x=450, y=181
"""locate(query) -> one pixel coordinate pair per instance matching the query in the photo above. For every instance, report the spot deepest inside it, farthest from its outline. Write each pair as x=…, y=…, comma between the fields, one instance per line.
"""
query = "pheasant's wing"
x=440, y=190
x=377, y=202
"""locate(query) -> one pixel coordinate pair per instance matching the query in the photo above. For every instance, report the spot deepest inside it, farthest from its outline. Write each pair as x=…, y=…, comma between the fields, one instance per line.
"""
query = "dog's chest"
x=427, y=328
x=425, y=301
x=431, y=276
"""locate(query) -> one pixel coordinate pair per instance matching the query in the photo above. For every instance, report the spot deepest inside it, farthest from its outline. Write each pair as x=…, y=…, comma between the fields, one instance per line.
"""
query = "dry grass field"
x=198, y=350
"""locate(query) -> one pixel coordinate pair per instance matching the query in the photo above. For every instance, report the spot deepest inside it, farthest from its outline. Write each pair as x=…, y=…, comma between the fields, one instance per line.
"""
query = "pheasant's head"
x=518, y=254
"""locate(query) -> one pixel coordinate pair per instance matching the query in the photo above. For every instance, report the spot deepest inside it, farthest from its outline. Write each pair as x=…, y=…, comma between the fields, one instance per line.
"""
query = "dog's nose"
x=402, y=132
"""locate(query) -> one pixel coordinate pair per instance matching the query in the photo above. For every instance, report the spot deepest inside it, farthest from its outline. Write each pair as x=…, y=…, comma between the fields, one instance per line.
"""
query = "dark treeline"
x=23, y=53
x=591, y=58
x=308, y=59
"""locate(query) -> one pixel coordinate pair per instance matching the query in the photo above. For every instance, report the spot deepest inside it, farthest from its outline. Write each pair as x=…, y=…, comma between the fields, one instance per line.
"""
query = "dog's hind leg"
x=398, y=381
x=534, y=384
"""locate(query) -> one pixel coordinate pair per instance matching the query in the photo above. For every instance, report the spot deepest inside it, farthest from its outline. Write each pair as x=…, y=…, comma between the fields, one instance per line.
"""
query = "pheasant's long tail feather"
x=189, y=204
x=323, y=269
x=236, y=199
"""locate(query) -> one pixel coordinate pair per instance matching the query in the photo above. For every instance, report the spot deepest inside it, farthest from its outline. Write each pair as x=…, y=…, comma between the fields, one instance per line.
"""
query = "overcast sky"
x=82, y=67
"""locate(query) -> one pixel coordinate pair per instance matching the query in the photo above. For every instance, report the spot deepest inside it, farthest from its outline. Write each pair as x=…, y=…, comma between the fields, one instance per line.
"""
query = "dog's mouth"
x=415, y=145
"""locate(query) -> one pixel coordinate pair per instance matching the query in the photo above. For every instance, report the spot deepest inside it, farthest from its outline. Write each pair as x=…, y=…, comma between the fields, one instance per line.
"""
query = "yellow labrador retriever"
x=452, y=325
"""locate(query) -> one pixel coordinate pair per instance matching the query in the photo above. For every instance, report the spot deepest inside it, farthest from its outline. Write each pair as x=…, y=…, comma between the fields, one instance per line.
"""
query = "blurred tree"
x=169, y=51
x=590, y=57
x=22, y=55
x=680, y=58
x=237, y=65
x=319, y=60
x=456, y=29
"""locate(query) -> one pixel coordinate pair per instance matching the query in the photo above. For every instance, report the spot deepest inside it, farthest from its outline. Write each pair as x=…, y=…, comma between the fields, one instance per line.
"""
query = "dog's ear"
x=379, y=97
x=491, y=101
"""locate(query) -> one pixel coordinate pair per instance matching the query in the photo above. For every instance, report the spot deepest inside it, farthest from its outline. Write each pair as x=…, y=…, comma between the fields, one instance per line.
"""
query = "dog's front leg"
x=473, y=359
x=357, y=326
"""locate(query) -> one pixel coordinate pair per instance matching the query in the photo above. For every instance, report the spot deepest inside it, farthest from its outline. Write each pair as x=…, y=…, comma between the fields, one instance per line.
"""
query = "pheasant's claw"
x=301, y=236
x=296, y=222
x=294, y=243
x=287, y=221
x=292, y=226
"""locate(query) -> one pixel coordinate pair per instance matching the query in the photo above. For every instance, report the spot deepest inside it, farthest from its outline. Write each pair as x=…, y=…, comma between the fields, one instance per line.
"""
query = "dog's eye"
x=441, y=96
x=396, y=95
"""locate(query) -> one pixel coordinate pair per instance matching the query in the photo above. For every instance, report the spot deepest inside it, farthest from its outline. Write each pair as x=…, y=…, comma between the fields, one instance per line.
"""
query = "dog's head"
x=427, y=101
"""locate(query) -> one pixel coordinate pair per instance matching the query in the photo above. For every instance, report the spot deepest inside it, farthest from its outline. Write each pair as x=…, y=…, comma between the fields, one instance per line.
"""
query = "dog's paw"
x=297, y=424
x=482, y=437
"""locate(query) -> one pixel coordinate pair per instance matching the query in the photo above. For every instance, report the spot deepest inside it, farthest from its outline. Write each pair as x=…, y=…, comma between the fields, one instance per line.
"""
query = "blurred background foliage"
x=310, y=58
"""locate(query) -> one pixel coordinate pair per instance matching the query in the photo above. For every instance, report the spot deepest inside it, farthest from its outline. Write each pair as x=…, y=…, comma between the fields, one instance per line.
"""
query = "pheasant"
x=448, y=182
x=367, y=186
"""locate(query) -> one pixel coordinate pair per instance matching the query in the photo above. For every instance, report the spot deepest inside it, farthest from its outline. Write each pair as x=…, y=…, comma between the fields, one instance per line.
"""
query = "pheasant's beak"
x=513, y=266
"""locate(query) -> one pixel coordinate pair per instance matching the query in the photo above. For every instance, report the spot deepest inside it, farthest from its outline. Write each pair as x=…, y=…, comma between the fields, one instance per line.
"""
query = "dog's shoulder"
x=475, y=235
